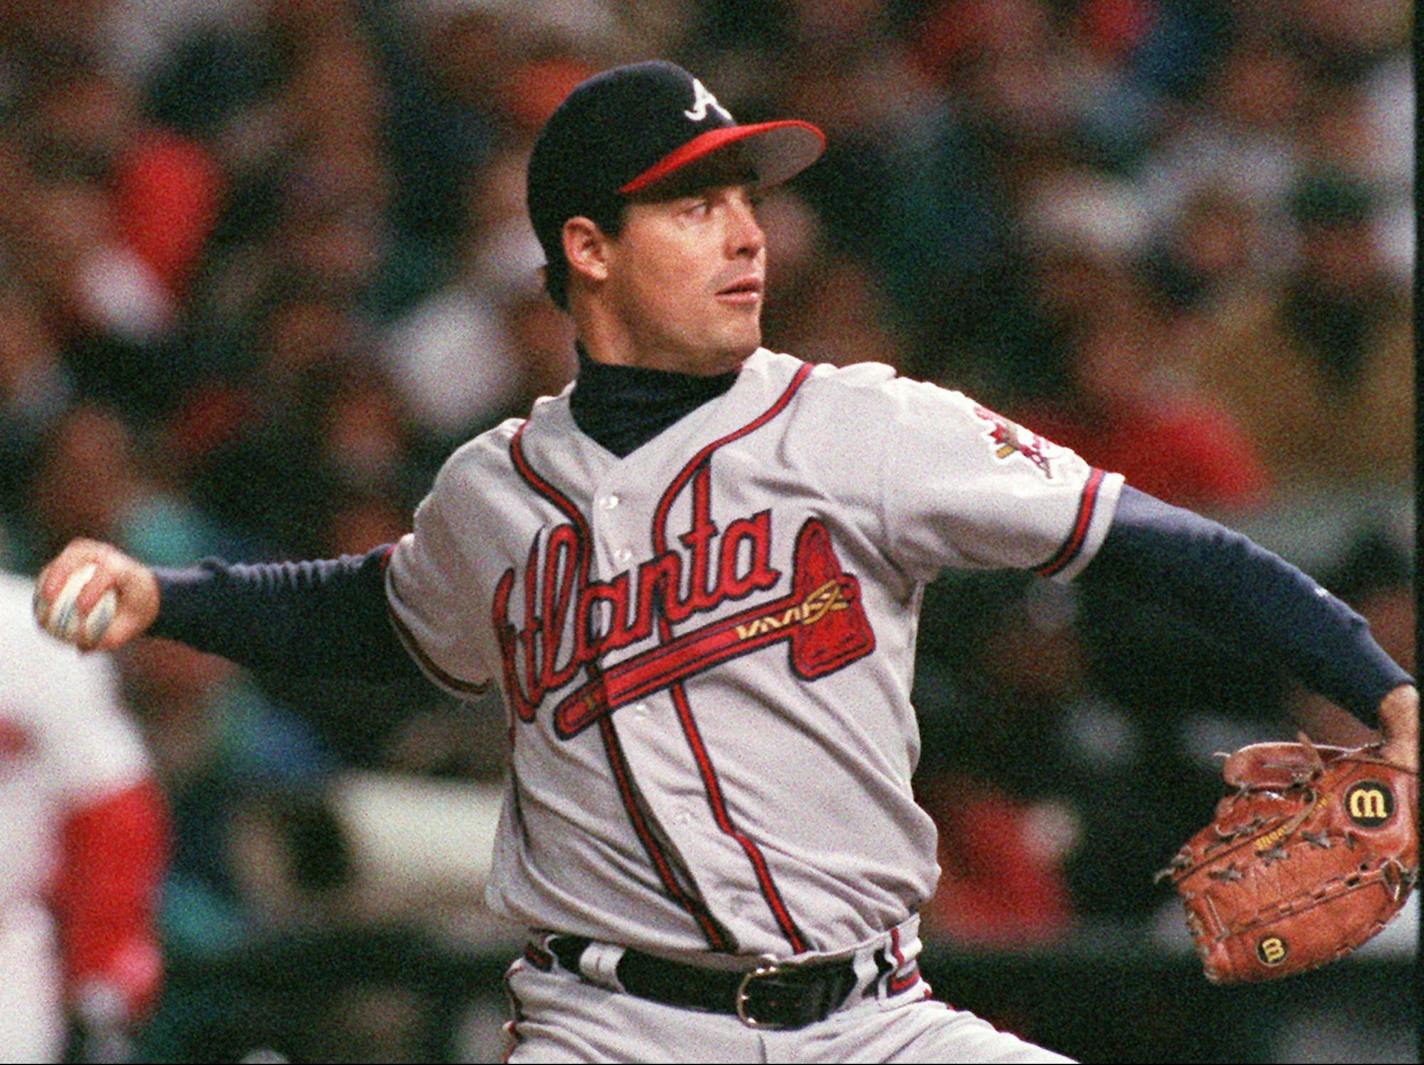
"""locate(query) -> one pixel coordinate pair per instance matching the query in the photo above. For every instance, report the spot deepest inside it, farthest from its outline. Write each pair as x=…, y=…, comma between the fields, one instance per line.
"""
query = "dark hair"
x=607, y=216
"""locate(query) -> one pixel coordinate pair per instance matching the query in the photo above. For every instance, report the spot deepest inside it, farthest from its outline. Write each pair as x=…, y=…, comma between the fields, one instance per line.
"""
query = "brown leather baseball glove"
x=1311, y=855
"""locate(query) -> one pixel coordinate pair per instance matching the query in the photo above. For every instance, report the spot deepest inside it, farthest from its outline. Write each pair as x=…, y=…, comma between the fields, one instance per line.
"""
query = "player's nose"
x=745, y=236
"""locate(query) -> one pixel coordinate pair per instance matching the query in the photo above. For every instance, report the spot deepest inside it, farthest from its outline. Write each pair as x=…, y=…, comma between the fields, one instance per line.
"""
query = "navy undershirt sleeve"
x=318, y=618
x=1241, y=593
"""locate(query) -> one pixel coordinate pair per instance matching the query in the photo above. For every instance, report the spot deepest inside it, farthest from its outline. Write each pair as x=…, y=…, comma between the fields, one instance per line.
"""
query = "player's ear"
x=586, y=248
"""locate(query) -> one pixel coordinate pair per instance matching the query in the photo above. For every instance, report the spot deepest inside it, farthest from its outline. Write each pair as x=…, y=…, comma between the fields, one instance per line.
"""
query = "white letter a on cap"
x=702, y=100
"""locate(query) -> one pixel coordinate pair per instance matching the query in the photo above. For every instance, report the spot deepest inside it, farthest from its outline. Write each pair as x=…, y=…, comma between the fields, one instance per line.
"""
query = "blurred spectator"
x=454, y=357
x=1127, y=408
x=270, y=454
x=1202, y=257
x=1350, y=132
x=1241, y=137
x=1345, y=43
x=218, y=746
x=955, y=175
x=90, y=480
x=120, y=209
x=1170, y=443
x=290, y=859
x=82, y=847
x=1021, y=742
x=447, y=118
x=1319, y=369
x=1001, y=882
x=35, y=388
x=842, y=69
x=839, y=317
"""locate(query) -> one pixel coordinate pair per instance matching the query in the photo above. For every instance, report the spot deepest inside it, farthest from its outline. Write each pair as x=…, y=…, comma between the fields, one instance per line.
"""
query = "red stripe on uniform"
x=678, y=482
x=619, y=763
x=765, y=884
x=710, y=782
x=897, y=984
x=548, y=491
x=614, y=750
x=1087, y=503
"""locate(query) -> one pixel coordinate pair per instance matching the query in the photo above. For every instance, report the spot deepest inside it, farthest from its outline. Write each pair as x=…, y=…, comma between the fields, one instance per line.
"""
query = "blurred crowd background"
x=264, y=263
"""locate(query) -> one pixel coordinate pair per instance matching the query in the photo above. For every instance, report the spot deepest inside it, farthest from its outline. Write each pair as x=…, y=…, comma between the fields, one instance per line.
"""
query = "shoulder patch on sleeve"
x=1011, y=442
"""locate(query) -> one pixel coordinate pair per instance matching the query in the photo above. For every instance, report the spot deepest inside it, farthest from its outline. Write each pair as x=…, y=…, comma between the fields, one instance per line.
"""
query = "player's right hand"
x=134, y=585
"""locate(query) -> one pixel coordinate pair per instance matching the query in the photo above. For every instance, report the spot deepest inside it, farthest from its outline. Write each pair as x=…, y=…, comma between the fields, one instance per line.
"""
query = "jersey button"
x=623, y=555
x=608, y=502
x=641, y=709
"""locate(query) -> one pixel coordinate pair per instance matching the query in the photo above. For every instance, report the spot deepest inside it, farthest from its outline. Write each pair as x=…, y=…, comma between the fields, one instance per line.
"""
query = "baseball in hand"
x=61, y=618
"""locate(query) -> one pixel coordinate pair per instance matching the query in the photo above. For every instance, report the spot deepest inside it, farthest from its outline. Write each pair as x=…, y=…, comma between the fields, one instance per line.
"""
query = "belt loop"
x=599, y=965
x=901, y=953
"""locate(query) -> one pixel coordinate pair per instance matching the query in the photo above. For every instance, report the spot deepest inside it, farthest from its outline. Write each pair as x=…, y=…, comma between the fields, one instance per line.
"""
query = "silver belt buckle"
x=767, y=965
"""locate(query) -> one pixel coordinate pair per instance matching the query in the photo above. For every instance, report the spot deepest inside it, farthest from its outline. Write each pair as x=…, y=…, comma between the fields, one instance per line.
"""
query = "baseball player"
x=695, y=576
x=82, y=848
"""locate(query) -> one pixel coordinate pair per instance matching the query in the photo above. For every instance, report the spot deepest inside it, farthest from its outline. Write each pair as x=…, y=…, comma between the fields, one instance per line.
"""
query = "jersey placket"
x=643, y=746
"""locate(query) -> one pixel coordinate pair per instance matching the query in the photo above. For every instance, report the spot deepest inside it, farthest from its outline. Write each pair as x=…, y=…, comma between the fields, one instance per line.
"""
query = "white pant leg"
x=919, y=1030
x=32, y=1022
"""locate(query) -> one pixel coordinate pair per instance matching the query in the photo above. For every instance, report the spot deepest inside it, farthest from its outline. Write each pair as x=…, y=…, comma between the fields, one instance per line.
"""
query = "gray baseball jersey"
x=706, y=647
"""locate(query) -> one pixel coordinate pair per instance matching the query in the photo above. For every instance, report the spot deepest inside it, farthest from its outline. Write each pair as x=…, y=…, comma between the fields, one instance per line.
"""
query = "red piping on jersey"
x=710, y=782
x=680, y=481
x=1073, y=546
x=711, y=931
x=716, y=939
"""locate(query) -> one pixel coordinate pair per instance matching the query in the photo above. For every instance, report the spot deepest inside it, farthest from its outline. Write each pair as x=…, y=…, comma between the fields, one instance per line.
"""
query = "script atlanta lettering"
x=559, y=600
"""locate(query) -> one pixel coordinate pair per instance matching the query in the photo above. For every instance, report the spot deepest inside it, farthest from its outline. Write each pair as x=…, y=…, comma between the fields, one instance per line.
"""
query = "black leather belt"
x=773, y=995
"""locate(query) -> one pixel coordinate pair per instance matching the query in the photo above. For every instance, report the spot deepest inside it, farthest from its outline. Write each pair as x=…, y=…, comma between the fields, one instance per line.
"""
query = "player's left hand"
x=1399, y=720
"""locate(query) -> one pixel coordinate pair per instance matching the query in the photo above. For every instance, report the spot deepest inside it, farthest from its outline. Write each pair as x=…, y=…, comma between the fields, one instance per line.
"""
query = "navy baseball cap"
x=628, y=129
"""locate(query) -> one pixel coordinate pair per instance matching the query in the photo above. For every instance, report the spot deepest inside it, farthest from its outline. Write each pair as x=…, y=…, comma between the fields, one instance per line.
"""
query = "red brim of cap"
x=778, y=150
